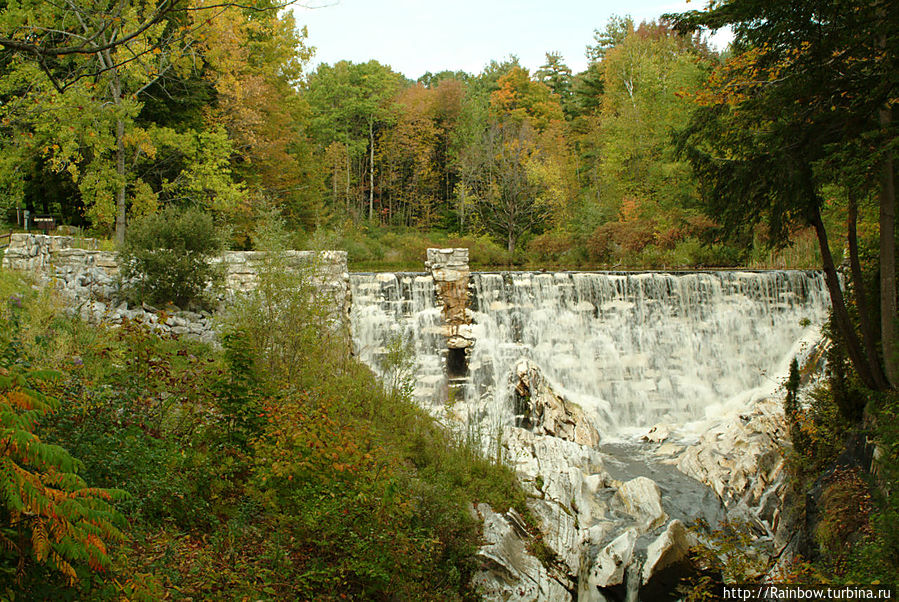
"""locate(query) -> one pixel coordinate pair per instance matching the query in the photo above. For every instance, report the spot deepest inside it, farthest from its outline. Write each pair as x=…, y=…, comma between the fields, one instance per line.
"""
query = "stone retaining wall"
x=87, y=279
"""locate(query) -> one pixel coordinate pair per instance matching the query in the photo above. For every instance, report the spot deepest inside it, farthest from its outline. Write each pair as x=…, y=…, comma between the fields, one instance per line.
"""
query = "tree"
x=617, y=29
x=515, y=163
x=255, y=63
x=351, y=103
x=809, y=82
x=504, y=199
x=408, y=155
x=119, y=53
x=167, y=258
x=645, y=78
x=556, y=75
x=104, y=60
x=58, y=38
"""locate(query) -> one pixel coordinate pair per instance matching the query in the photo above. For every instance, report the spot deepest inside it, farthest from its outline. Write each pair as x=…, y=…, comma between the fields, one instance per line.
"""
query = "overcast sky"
x=414, y=36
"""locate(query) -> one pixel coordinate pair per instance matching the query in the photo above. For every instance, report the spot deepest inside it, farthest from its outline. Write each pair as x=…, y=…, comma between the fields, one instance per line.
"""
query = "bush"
x=619, y=240
x=166, y=258
x=365, y=488
x=483, y=251
x=553, y=246
x=52, y=524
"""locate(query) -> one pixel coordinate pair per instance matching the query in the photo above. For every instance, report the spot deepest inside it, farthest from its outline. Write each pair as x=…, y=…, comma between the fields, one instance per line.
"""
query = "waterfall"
x=632, y=349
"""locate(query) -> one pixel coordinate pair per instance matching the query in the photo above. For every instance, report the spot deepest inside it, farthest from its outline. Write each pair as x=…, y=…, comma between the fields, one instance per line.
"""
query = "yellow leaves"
x=18, y=399
x=63, y=567
x=39, y=542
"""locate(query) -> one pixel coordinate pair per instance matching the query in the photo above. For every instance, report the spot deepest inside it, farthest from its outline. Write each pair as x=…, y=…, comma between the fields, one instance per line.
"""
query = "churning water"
x=632, y=349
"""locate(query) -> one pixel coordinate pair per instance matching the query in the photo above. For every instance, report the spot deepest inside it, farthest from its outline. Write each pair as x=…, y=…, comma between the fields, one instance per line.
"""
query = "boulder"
x=564, y=479
x=507, y=570
x=641, y=498
x=739, y=459
x=610, y=565
x=541, y=410
x=658, y=433
x=669, y=548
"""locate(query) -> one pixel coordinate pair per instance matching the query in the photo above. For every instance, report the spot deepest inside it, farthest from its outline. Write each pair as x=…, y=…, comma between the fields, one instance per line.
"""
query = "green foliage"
x=724, y=555
x=845, y=509
x=877, y=556
x=792, y=407
x=397, y=364
x=166, y=258
x=647, y=80
x=285, y=318
x=238, y=398
x=853, y=536
x=49, y=516
x=364, y=485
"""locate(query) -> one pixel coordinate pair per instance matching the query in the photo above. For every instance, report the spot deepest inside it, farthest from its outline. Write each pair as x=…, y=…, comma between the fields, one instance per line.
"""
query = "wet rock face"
x=561, y=358
x=540, y=409
x=616, y=532
x=641, y=499
x=609, y=536
x=740, y=459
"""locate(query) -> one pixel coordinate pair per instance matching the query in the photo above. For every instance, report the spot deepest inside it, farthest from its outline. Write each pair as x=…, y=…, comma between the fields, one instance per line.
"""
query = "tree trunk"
x=841, y=315
x=347, y=198
x=861, y=301
x=371, y=170
x=462, y=209
x=334, y=179
x=120, y=171
x=888, y=310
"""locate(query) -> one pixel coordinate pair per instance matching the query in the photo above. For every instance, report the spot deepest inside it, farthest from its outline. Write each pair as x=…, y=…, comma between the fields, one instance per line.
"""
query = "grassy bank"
x=381, y=248
x=269, y=469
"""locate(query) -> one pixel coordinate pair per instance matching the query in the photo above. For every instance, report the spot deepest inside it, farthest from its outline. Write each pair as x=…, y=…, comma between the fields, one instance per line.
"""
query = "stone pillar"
x=449, y=268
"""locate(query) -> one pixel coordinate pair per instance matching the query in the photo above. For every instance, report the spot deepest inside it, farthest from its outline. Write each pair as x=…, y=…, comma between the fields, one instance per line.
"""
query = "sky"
x=415, y=36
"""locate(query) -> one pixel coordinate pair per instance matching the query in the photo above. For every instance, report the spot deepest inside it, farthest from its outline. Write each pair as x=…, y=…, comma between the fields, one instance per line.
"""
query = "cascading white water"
x=632, y=349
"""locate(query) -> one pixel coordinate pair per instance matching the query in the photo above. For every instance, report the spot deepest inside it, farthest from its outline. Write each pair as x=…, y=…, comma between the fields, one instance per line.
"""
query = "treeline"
x=211, y=107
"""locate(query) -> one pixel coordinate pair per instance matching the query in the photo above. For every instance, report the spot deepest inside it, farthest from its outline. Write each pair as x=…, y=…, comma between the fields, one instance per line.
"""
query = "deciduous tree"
x=809, y=81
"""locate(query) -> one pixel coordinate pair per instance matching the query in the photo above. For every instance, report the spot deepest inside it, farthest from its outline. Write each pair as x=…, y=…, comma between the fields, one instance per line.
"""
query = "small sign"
x=45, y=222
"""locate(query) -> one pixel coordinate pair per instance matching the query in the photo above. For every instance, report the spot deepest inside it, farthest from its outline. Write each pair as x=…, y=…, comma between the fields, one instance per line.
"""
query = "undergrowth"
x=277, y=467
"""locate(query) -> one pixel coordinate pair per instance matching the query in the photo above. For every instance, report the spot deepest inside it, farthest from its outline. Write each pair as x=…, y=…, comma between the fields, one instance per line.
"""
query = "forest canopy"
x=215, y=106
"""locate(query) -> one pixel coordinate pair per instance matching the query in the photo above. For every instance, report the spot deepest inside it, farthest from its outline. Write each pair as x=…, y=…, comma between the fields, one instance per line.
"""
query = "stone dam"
x=630, y=404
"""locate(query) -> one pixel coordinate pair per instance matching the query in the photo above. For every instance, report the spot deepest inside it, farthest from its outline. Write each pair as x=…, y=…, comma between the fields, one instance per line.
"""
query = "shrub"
x=166, y=258
x=552, y=246
x=845, y=518
x=617, y=240
x=49, y=517
x=483, y=251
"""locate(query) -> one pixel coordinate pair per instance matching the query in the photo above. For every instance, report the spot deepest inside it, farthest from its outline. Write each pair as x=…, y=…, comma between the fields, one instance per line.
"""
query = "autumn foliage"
x=49, y=515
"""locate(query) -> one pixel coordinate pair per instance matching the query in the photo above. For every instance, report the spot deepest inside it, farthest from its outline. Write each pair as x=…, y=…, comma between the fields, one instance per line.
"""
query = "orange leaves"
x=51, y=508
x=307, y=441
x=40, y=544
x=525, y=99
x=17, y=399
